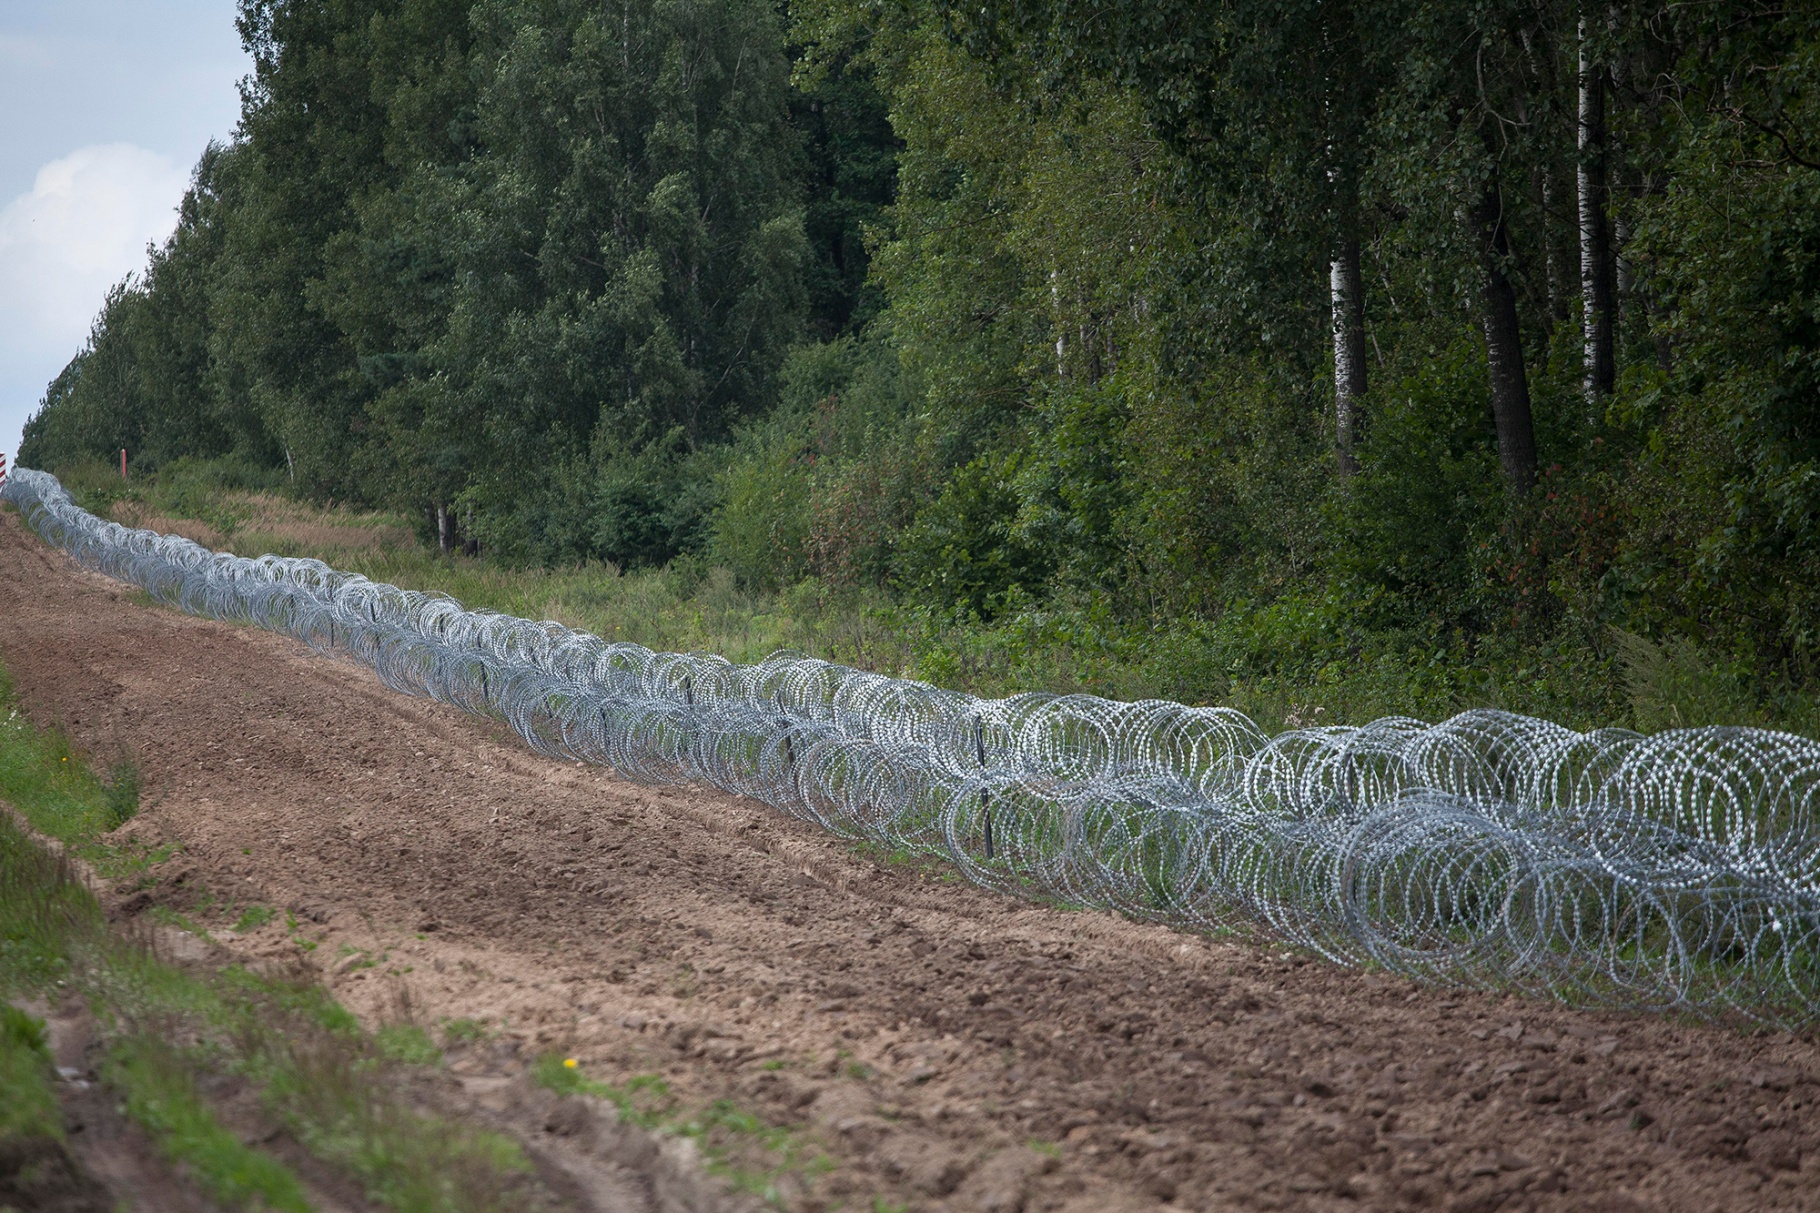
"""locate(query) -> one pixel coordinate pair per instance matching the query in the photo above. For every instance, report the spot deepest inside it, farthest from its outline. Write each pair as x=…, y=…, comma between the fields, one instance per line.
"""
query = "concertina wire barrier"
x=1496, y=851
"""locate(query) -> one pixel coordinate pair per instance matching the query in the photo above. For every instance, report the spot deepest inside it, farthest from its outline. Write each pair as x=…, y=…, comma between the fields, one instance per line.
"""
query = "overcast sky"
x=104, y=107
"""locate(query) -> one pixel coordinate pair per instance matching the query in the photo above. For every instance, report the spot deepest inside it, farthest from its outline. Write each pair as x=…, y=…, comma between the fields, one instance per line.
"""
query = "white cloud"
x=82, y=228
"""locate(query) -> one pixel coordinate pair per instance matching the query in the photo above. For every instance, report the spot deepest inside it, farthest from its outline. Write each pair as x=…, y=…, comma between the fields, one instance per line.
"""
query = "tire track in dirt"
x=927, y=1031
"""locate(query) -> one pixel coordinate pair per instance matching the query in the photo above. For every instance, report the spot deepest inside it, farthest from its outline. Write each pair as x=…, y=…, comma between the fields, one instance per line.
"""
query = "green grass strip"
x=28, y=1106
x=46, y=780
x=52, y=929
x=161, y=1095
x=329, y=1082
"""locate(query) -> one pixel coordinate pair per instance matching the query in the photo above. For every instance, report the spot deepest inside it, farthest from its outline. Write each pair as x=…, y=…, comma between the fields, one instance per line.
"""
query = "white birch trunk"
x=1595, y=234
x=1347, y=288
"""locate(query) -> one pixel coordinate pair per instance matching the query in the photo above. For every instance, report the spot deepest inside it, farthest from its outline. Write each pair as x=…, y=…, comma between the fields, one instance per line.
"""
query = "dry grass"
x=256, y=523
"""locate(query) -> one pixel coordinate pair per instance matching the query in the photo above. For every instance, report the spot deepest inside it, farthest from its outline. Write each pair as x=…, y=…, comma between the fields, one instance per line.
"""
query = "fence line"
x=1492, y=850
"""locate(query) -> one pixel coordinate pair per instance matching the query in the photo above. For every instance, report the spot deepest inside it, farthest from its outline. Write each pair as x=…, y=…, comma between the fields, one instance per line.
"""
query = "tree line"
x=1454, y=322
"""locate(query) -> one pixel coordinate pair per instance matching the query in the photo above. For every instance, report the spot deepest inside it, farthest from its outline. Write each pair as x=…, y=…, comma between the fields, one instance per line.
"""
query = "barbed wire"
x=1492, y=850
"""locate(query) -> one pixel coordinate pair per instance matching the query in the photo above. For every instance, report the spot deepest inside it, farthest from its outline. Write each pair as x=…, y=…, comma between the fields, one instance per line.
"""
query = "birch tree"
x=1596, y=269
x=1272, y=103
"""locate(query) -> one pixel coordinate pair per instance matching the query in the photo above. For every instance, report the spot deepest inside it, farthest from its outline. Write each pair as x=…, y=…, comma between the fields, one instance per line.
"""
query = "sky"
x=105, y=106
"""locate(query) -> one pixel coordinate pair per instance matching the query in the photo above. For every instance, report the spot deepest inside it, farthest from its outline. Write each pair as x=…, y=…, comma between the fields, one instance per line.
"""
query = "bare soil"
x=949, y=1048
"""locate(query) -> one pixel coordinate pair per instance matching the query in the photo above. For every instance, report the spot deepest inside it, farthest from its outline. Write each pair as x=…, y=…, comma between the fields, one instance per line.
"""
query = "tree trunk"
x=1558, y=261
x=1504, y=349
x=1599, y=365
x=1624, y=279
x=1345, y=89
x=1347, y=286
x=445, y=530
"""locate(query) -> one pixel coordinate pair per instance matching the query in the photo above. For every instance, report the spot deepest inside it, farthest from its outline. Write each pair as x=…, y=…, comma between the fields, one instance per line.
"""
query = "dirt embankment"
x=951, y=1049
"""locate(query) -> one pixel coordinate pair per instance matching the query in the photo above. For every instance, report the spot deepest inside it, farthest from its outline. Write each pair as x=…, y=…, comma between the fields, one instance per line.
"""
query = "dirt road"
x=949, y=1048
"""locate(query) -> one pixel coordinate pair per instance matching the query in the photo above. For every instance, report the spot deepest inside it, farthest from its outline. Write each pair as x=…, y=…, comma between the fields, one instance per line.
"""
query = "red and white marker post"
x=2, y=467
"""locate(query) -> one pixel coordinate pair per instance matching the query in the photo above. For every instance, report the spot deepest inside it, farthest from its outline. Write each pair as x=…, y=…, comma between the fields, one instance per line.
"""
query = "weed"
x=120, y=794
x=57, y=796
x=253, y=918
x=328, y=1095
x=19, y=1030
x=744, y=1149
x=464, y=1031
x=294, y=929
x=164, y=916
x=407, y=1043
x=28, y=1108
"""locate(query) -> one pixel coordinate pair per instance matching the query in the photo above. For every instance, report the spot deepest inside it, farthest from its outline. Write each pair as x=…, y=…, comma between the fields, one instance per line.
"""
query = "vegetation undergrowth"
x=1300, y=659
x=28, y=1107
x=743, y=1149
x=159, y=1090
x=174, y=1036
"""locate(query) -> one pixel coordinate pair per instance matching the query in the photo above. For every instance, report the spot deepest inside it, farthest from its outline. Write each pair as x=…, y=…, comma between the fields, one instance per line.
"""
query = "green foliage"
x=407, y=1043
x=120, y=795
x=851, y=175
x=644, y=1100
x=28, y=1106
x=160, y=1094
x=144, y=382
x=964, y=548
x=1429, y=501
x=464, y=1031
x=43, y=777
x=20, y=1031
x=1009, y=324
x=42, y=909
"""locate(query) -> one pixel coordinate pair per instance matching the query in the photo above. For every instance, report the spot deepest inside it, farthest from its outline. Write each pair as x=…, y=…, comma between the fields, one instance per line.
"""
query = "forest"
x=1367, y=358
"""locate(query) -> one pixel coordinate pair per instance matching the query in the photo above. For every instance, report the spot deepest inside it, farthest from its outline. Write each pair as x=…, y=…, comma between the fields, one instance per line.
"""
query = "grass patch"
x=408, y=1043
x=160, y=1093
x=53, y=933
x=43, y=777
x=742, y=1148
x=120, y=794
x=465, y=1032
x=329, y=1088
x=28, y=1109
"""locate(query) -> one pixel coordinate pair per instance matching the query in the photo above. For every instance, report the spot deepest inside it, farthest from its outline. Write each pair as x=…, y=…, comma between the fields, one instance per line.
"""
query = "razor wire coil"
x=1491, y=850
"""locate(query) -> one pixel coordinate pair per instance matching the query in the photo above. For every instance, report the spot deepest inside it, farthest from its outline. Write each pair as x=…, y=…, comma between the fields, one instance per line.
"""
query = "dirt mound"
x=950, y=1049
